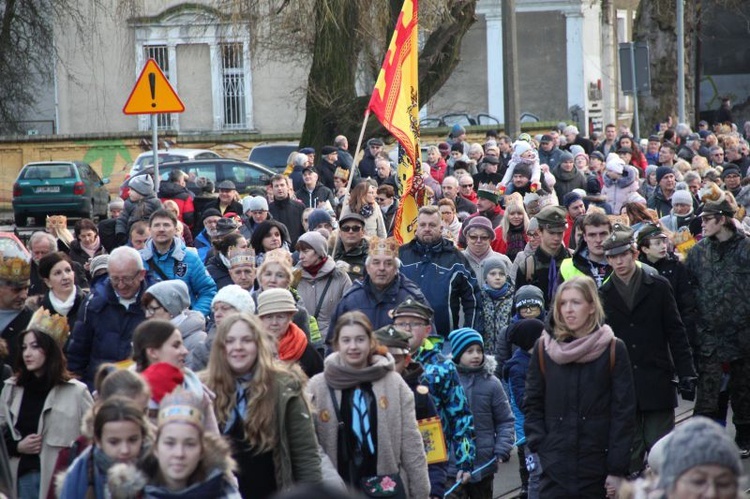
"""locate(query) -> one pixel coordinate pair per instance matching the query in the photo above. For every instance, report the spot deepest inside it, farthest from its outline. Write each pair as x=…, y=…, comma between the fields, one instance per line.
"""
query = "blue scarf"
x=240, y=406
x=497, y=294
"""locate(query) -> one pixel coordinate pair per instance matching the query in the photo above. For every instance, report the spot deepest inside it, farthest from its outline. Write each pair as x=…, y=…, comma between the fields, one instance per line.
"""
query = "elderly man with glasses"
x=451, y=190
x=104, y=330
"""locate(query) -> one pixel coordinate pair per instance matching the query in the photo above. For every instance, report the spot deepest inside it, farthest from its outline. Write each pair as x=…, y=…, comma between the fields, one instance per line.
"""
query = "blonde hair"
x=505, y=223
x=260, y=420
x=587, y=287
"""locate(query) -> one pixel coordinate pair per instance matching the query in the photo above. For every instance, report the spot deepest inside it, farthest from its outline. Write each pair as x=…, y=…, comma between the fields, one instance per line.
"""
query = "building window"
x=233, y=79
x=160, y=54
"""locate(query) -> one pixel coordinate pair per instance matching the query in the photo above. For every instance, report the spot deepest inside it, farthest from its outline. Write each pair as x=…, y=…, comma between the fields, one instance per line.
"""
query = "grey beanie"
x=565, y=156
x=142, y=184
x=529, y=295
x=173, y=295
x=693, y=443
x=316, y=241
x=682, y=197
x=492, y=263
x=116, y=204
x=254, y=203
x=319, y=216
x=99, y=262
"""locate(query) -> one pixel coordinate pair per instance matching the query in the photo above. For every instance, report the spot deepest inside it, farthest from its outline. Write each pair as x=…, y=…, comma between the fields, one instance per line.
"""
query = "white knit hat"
x=615, y=163
x=237, y=297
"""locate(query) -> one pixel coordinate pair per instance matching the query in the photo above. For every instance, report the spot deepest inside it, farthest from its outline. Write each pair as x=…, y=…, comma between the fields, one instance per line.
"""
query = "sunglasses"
x=380, y=200
x=463, y=186
x=350, y=228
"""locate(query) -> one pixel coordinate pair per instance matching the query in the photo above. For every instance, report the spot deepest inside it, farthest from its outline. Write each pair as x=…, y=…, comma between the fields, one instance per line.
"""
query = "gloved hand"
x=686, y=386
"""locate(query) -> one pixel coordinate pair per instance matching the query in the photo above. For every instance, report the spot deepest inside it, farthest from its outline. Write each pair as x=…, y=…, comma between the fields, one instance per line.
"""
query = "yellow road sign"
x=152, y=93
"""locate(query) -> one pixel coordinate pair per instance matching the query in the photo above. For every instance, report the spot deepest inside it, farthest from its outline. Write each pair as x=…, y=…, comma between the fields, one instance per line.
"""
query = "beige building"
x=567, y=62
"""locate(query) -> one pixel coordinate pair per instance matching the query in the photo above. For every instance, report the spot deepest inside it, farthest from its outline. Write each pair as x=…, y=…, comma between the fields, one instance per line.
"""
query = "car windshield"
x=43, y=172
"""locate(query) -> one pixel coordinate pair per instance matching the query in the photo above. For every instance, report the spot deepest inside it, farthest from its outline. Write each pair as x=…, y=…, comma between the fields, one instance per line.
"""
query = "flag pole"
x=356, y=152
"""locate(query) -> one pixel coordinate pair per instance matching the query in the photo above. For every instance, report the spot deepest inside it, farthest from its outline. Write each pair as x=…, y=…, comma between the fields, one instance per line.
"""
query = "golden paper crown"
x=488, y=187
x=341, y=173
x=238, y=256
x=14, y=268
x=383, y=247
x=181, y=406
x=51, y=324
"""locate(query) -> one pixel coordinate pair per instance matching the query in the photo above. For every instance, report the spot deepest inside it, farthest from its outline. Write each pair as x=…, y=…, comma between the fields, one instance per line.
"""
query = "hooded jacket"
x=127, y=480
x=617, y=191
x=446, y=279
x=192, y=327
x=183, y=197
x=135, y=212
x=493, y=419
x=178, y=263
x=320, y=194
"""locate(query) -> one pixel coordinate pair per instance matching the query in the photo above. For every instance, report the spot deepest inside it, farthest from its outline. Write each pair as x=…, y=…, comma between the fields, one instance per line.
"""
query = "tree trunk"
x=656, y=24
x=332, y=104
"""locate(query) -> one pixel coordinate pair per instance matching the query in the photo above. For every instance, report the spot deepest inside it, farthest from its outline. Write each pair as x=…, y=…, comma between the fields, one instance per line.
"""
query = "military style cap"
x=649, y=231
x=412, y=308
x=552, y=218
x=397, y=340
x=620, y=241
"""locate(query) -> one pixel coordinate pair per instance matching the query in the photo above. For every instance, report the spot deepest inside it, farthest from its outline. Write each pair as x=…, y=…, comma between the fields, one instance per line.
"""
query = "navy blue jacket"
x=360, y=297
x=446, y=279
x=103, y=331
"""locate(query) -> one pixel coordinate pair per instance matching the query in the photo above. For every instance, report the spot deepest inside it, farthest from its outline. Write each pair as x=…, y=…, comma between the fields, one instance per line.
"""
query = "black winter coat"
x=218, y=271
x=580, y=419
x=289, y=212
x=655, y=337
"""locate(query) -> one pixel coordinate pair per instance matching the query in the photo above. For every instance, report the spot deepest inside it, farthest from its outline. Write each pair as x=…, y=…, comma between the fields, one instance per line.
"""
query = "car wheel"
x=20, y=220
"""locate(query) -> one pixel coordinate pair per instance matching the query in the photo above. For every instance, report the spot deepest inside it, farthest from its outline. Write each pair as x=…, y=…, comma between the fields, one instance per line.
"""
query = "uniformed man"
x=641, y=310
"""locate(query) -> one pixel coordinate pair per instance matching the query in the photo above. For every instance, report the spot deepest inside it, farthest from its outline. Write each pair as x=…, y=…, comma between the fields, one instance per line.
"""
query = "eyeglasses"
x=464, y=186
x=127, y=280
x=151, y=310
x=350, y=228
x=380, y=200
x=479, y=238
x=409, y=325
x=533, y=234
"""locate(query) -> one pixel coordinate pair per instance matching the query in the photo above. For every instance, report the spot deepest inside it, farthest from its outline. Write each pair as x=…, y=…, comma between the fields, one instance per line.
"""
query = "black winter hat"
x=525, y=332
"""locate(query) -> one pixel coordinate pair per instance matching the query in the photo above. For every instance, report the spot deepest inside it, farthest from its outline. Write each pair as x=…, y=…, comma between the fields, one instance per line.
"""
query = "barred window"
x=233, y=76
x=160, y=54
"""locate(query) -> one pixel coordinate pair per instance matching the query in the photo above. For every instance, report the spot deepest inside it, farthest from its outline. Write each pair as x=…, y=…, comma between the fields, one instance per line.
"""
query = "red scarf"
x=314, y=269
x=293, y=344
x=473, y=198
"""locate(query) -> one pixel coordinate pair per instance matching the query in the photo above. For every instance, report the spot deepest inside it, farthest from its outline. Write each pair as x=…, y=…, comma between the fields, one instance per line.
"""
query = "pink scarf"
x=93, y=248
x=580, y=350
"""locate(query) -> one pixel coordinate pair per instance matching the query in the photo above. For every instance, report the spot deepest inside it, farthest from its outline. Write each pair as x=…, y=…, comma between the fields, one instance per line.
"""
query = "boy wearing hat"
x=493, y=419
x=141, y=203
x=541, y=268
x=397, y=342
x=441, y=378
x=718, y=265
x=641, y=310
x=497, y=303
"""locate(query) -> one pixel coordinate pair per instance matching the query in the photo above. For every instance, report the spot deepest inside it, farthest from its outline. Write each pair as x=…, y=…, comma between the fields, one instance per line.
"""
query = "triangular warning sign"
x=152, y=93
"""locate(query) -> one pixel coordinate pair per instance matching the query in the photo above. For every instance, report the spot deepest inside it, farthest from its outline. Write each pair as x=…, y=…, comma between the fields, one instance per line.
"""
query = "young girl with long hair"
x=41, y=406
x=379, y=441
x=261, y=409
x=120, y=435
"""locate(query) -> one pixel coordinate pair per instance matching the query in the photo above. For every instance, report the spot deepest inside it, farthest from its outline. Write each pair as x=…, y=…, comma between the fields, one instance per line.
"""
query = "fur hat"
x=696, y=442
x=235, y=296
x=173, y=295
x=462, y=339
x=142, y=184
x=276, y=300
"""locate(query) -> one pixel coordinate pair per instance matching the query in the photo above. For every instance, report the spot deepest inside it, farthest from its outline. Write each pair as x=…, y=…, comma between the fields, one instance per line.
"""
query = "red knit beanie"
x=163, y=377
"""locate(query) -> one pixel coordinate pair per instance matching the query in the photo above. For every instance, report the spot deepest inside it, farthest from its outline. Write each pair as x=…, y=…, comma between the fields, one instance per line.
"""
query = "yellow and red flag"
x=395, y=101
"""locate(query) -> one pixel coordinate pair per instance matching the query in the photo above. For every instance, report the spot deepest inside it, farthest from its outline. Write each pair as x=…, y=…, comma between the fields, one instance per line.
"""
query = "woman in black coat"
x=580, y=399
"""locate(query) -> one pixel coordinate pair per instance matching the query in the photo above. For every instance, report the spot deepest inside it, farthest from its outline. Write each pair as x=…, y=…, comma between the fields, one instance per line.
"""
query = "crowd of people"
x=559, y=294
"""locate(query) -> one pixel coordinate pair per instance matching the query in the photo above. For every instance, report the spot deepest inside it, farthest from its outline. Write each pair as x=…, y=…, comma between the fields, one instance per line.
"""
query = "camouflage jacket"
x=720, y=272
x=441, y=377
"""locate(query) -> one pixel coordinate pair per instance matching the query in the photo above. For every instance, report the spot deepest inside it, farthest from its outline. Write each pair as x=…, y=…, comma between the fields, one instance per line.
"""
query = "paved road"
x=508, y=483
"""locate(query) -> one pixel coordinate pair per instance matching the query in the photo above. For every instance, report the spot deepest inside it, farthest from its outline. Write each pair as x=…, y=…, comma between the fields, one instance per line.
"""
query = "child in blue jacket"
x=522, y=334
x=493, y=419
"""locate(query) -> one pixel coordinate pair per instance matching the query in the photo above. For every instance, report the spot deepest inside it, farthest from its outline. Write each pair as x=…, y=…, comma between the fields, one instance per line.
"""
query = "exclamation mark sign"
x=152, y=84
